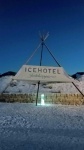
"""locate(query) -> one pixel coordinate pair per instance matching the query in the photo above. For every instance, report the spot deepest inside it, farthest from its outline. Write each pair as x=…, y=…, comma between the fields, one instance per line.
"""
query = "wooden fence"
x=54, y=98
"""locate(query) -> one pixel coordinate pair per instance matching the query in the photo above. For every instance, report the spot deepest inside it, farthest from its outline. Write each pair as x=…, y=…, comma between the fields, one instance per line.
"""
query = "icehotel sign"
x=42, y=70
x=40, y=73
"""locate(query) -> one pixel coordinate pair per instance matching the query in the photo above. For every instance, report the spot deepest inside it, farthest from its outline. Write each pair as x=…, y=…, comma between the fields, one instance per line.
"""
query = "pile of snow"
x=4, y=82
x=25, y=87
x=80, y=78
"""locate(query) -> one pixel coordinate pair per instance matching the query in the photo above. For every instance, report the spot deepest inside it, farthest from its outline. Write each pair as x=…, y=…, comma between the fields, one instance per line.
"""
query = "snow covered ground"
x=50, y=127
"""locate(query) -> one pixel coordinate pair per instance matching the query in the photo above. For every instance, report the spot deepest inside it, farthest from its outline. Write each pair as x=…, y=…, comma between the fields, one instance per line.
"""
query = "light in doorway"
x=42, y=99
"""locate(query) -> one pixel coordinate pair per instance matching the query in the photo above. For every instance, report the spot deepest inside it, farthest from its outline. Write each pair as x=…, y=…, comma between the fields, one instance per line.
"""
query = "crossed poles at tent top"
x=42, y=43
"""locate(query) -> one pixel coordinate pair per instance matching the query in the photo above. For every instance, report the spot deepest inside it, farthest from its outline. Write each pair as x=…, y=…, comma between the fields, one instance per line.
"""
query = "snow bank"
x=25, y=87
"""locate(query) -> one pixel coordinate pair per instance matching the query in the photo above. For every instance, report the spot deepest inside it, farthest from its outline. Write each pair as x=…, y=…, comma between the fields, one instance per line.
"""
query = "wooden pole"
x=40, y=65
x=78, y=89
x=52, y=55
x=37, y=94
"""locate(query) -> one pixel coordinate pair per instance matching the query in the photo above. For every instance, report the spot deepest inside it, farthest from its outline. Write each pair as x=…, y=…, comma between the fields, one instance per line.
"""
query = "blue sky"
x=20, y=23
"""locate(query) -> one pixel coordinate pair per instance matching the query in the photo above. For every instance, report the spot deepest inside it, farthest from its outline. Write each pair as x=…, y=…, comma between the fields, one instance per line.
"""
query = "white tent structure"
x=43, y=74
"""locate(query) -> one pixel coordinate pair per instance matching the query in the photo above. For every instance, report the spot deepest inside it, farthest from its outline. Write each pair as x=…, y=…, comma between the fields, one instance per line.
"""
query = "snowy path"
x=27, y=127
